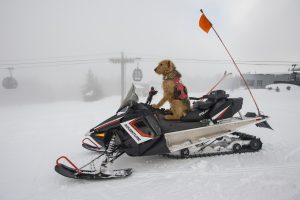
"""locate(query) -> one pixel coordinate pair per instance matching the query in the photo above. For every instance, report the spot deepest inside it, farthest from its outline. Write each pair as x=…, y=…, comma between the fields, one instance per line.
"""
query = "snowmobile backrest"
x=216, y=95
x=230, y=106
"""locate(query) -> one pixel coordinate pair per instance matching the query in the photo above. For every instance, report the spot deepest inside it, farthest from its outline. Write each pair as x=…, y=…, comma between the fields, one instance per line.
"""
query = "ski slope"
x=34, y=136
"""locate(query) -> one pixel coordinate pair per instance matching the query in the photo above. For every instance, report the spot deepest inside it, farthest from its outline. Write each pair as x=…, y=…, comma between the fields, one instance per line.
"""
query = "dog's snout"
x=155, y=69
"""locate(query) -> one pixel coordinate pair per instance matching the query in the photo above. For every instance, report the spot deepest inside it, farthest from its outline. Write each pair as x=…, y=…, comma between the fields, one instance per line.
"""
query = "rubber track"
x=210, y=154
x=244, y=149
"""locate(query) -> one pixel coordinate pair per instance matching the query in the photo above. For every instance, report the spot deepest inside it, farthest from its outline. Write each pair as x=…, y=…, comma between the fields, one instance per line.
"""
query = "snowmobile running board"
x=179, y=140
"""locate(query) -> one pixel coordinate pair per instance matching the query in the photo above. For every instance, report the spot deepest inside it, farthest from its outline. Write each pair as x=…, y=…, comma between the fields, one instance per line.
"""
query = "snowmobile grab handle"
x=199, y=98
x=194, y=98
x=69, y=161
x=83, y=141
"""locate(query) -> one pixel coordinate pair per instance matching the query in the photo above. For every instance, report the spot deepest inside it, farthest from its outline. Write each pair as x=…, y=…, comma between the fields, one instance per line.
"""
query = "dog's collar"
x=172, y=75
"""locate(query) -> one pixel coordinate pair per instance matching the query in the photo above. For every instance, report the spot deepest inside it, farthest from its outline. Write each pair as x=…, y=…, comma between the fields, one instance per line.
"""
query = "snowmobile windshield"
x=130, y=99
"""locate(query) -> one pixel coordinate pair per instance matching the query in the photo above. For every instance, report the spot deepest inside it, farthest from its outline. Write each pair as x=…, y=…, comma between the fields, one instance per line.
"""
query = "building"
x=261, y=80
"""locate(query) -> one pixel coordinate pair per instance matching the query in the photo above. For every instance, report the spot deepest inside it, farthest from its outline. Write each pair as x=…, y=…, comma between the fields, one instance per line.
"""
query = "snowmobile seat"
x=202, y=105
x=211, y=99
x=195, y=116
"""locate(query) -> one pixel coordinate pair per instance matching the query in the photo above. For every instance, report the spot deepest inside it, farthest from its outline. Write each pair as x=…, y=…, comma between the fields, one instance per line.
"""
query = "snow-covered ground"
x=33, y=136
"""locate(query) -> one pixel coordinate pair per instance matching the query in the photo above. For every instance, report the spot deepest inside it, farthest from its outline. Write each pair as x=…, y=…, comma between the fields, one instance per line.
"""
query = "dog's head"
x=165, y=67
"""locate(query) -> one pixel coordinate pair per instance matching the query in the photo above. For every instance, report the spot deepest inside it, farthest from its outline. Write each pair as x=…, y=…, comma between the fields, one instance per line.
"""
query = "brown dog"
x=174, y=91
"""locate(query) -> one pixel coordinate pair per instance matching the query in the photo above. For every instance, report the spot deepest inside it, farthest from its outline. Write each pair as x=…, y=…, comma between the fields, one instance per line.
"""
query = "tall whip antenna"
x=205, y=24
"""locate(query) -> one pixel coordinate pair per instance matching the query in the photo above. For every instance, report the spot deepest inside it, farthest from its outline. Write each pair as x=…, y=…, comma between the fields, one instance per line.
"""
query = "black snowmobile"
x=138, y=129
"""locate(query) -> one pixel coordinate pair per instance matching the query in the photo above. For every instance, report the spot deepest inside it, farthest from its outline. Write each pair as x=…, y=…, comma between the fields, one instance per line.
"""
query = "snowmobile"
x=138, y=129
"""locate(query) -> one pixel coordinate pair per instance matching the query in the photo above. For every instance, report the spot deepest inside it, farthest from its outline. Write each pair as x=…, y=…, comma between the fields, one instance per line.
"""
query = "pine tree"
x=91, y=90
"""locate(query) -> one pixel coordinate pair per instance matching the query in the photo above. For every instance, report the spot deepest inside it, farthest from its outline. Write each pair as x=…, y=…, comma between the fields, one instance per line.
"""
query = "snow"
x=34, y=136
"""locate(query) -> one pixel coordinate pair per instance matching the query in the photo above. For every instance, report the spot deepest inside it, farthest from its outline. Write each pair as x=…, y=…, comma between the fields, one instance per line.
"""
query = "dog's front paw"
x=171, y=117
x=155, y=106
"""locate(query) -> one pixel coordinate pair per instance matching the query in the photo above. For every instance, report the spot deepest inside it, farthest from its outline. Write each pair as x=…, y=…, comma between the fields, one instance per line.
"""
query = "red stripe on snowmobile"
x=138, y=130
x=220, y=115
x=69, y=161
x=108, y=123
x=258, y=118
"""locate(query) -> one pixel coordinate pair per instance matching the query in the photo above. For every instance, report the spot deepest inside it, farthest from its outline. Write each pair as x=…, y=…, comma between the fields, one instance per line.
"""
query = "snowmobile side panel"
x=157, y=148
x=140, y=135
x=233, y=105
x=134, y=129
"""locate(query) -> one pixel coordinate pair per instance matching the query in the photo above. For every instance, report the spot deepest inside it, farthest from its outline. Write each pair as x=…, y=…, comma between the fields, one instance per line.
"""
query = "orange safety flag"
x=204, y=23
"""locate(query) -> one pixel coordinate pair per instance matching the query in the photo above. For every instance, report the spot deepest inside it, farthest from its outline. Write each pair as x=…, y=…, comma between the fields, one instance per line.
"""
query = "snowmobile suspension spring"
x=111, y=146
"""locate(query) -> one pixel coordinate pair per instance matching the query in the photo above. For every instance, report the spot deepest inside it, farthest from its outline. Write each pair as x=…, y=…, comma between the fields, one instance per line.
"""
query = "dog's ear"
x=171, y=65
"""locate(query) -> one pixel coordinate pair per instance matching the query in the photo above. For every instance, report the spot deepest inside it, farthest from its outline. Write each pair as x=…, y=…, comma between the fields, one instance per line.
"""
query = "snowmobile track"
x=245, y=149
x=209, y=154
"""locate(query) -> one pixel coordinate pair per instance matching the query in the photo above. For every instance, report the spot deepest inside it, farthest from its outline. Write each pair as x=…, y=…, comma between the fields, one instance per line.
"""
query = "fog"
x=53, y=44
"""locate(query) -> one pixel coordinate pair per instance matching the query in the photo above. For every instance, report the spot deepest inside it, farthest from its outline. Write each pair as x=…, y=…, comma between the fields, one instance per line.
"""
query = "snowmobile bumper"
x=90, y=175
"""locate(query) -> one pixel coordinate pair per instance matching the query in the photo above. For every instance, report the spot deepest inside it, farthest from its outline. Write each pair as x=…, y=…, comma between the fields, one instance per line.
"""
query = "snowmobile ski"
x=93, y=174
x=90, y=175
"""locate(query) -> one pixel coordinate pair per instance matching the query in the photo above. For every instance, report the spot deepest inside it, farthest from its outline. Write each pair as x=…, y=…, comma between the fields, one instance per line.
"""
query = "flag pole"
x=236, y=66
x=223, y=77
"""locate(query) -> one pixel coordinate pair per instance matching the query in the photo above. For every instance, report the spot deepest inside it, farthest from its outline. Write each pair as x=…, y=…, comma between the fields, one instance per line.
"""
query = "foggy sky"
x=43, y=30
